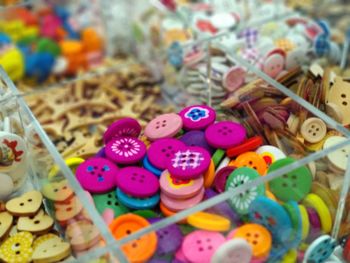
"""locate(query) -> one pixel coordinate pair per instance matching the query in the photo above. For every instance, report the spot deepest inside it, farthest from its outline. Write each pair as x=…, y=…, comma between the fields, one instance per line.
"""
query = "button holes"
x=128, y=232
x=208, y=239
x=284, y=185
x=164, y=121
x=170, y=147
x=134, y=245
x=314, y=134
x=199, y=241
x=133, y=178
x=183, y=161
x=255, y=242
x=248, y=234
x=167, y=155
x=312, y=126
x=163, y=125
x=109, y=203
x=191, y=160
x=18, y=252
x=224, y=133
x=157, y=127
x=343, y=95
x=116, y=203
x=17, y=244
x=158, y=122
x=110, y=195
x=255, y=168
x=161, y=236
x=165, y=232
x=285, y=176
x=317, y=129
x=142, y=176
x=163, y=150
x=30, y=200
x=134, y=174
x=294, y=177
x=344, y=103
x=309, y=131
x=21, y=204
x=346, y=155
x=69, y=209
x=256, y=235
x=191, y=155
x=37, y=222
x=200, y=249
x=210, y=247
x=343, y=150
x=55, y=190
x=250, y=162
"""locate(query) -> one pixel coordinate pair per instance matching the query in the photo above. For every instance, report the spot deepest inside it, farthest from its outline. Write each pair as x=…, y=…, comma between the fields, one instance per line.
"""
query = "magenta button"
x=197, y=117
x=125, y=127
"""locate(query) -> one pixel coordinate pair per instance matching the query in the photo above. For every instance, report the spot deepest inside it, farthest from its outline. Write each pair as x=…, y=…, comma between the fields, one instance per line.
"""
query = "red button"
x=248, y=145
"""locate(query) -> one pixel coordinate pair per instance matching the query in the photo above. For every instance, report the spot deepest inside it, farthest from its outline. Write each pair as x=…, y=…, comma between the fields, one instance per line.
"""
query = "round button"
x=327, y=197
x=294, y=185
x=163, y=150
x=304, y=221
x=149, y=167
x=141, y=249
x=234, y=78
x=125, y=127
x=181, y=204
x=273, y=65
x=167, y=212
x=320, y=249
x=223, y=20
x=199, y=246
x=338, y=158
x=125, y=150
x=233, y=251
x=13, y=151
x=251, y=160
x=258, y=237
x=97, y=175
x=169, y=239
x=248, y=145
x=197, y=117
x=209, y=221
x=238, y=177
x=225, y=134
x=6, y=186
x=189, y=163
x=137, y=182
x=313, y=130
x=109, y=201
x=209, y=175
x=179, y=189
x=163, y=126
x=334, y=112
x=270, y=153
x=137, y=203
x=196, y=138
x=295, y=58
x=221, y=178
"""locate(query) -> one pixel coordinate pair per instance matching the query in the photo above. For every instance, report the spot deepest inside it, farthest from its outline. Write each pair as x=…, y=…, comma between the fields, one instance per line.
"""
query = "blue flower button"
x=320, y=250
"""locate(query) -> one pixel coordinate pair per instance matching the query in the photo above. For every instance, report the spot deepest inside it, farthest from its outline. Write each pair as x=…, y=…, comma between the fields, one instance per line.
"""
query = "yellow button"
x=209, y=221
x=72, y=163
x=290, y=257
x=305, y=223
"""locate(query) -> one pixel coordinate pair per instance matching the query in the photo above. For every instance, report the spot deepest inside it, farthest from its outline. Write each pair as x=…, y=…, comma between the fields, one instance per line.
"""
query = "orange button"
x=252, y=160
x=141, y=249
x=167, y=212
x=71, y=47
x=209, y=175
x=258, y=237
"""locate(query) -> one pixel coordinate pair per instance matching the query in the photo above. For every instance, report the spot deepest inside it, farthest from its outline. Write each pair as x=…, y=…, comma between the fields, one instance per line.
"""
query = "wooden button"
x=313, y=130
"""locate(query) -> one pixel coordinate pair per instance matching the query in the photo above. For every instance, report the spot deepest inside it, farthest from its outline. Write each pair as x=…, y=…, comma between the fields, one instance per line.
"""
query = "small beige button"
x=337, y=159
x=313, y=130
x=334, y=112
x=293, y=123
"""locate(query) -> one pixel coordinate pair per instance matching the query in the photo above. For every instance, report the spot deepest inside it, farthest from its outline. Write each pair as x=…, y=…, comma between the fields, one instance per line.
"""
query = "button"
x=181, y=204
x=180, y=189
x=320, y=249
x=13, y=151
x=97, y=175
x=149, y=167
x=327, y=197
x=199, y=246
x=197, y=117
x=6, y=186
x=57, y=191
x=218, y=156
x=137, y=182
x=334, y=112
x=17, y=248
x=209, y=175
x=273, y=65
x=313, y=130
x=339, y=95
x=109, y=201
x=196, y=138
x=225, y=134
x=136, y=202
x=258, y=237
x=295, y=58
x=294, y=185
x=270, y=153
x=189, y=163
x=125, y=127
x=167, y=212
x=163, y=126
x=234, y=78
x=271, y=215
x=82, y=235
x=248, y=145
x=209, y=221
x=338, y=159
x=315, y=223
x=162, y=151
x=138, y=250
x=169, y=239
x=293, y=211
x=233, y=251
x=304, y=222
x=251, y=160
x=322, y=45
x=242, y=201
x=125, y=150
x=223, y=20
x=221, y=178
x=314, y=201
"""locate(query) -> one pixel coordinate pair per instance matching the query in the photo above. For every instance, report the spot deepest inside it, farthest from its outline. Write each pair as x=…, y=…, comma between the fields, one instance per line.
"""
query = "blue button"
x=320, y=250
x=137, y=203
x=148, y=166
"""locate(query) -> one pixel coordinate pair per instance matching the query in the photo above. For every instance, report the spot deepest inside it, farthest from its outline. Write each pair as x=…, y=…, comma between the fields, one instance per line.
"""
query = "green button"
x=49, y=46
x=242, y=201
x=146, y=213
x=109, y=200
x=218, y=156
x=292, y=186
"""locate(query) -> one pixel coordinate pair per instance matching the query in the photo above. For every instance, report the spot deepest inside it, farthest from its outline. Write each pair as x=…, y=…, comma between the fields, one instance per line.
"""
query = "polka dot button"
x=337, y=159
x=251, y=160
x=199, y=246
x=225, y=134
x=233, y=251
x=320, y=249
x=125, y=150
x=234, y=78
x=258, y=237
x=163, y=126
x=197, y=117
x=313, y=130
x=273, y=65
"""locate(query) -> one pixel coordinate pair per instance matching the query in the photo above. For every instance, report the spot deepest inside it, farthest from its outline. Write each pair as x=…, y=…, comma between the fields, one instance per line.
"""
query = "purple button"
x=189, y=163
x=101, y=153
x=169, y=239
x=196, y=138
x=221, y=178
x=126, y=127
x=97, y=175
x=197, y=117
x=125, y=150
x=162, y=150
x=225, y=134
x=315, y=224
x=137, y=182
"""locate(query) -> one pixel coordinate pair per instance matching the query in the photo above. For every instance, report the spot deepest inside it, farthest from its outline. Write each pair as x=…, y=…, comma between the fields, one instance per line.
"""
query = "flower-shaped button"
x=125, y=127
x=189, y=163
x=163, y=126
x=233, y=251
x=320, y=249
x=197, y=117
x=97, y=175
x=225, y=134
x=125, y=150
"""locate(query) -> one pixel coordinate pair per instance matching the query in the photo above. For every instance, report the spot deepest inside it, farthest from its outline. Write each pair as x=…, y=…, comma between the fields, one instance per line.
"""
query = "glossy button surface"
x=233, y=251
x=251, y=160
x=125, y=127
x=313, y=130
x=209, y=221
x=270, y=153
x=163, y=126
x=197, y=117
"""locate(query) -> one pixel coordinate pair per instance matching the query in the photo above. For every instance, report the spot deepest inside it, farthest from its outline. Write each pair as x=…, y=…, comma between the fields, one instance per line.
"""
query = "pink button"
x=273, y=65
x=199, y=246
x=225, y=134
x=137, y=182
x=197, y=117
x=189, y=163
x=178, y=204
x=125, y=127
x=125, y=150
x=97, y=175
x=234, y=78
x=162, y=150
x=163, y=126
x=179, y=189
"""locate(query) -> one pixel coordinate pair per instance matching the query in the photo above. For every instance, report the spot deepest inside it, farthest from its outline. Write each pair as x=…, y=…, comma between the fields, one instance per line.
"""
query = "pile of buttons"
x=183, y=159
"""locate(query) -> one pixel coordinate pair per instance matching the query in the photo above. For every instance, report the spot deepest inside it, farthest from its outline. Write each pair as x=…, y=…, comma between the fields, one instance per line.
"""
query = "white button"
x=338, y=158
x=270, y=153
x=236, y=250
x=223, y=20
